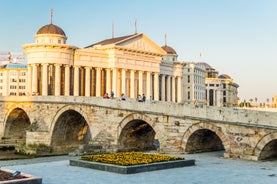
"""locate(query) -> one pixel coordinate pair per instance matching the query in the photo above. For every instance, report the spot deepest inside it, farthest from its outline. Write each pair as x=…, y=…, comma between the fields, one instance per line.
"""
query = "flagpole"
x=135, y=26
x=51, y=15
x=165, y=42
x=113, y=30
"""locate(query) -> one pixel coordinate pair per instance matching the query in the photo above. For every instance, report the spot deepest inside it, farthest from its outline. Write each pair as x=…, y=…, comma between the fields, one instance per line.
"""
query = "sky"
x=236, y=37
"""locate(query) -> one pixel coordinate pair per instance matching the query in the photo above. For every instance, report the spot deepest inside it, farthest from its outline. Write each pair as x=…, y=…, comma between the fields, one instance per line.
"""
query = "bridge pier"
x=38, y=138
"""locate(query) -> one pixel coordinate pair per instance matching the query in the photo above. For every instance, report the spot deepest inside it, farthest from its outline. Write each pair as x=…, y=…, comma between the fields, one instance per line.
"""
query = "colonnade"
x=212, y=96
x=58, y=79
x=171, y=88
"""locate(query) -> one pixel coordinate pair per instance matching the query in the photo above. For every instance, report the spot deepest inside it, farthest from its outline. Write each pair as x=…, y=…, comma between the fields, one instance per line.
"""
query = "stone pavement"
x=210, y=168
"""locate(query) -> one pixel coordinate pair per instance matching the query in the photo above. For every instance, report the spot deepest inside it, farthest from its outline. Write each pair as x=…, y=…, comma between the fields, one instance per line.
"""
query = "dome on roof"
x=168, y=49
x=206, y=65
x=51, y=29
x=224, y=76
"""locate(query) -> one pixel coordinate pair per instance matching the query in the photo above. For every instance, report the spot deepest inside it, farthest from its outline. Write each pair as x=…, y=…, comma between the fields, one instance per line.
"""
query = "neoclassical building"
x=221, y=90
x=131, y=64
x=194, y=85
x=13, y=79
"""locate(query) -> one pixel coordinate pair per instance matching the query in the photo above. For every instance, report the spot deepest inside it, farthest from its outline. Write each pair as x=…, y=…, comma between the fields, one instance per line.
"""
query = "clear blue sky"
x=236, y=37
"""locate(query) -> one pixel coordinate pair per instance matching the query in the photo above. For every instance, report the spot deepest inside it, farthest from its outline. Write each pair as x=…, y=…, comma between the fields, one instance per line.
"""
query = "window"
x=22, y=74
x=13, y=80
x=188, y=78
x=13, y=93
x=13, y=73
x=188, y=95
x=22, y=80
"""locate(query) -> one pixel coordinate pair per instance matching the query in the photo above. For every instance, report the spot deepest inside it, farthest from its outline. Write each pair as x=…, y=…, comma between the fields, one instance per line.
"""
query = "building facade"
x=221, y=90
x=194, y=83
x=130, y=65
x=13, y=79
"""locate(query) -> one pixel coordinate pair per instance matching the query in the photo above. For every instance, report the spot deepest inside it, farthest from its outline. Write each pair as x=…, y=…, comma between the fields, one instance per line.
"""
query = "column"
x=215, y=103
x=140, y=82
x=6, y=83
x=208, y=96
x=123, y=81
x=87, y=81
x=92, y=84
x=148, y=85
x=163, y=88
x=29, y=80
x=66, y=80
x=98, y=82
x=76, y=81
x=108, y=81
x=132, y=84
x=57, y=79
x=156, y=86
x=115, y=83
x=179, y=89
x=44, y=81
x=168, y=82
x=35, y=79
x=173, y=89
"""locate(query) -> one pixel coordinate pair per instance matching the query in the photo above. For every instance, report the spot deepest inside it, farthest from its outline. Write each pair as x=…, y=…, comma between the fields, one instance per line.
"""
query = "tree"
x=250, y=100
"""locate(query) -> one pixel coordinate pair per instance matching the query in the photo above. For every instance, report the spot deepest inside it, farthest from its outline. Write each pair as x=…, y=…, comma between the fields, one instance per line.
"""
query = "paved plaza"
x=210, y=168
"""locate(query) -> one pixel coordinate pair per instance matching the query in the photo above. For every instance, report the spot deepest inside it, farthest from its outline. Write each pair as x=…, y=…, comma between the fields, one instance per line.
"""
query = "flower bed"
x=131, y=162
x=130, y=158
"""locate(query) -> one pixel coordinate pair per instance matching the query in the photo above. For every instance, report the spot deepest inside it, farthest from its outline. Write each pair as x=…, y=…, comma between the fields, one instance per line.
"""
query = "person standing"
x=143, y=98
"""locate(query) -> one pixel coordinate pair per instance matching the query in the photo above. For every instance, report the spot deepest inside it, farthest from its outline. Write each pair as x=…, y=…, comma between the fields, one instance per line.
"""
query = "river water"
x=209, y=168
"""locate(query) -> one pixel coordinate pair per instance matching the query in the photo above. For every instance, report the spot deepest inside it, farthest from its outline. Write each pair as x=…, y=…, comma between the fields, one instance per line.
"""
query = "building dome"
x=169, y=50
x=206, y=65
x=224, y=76
x=51, y=29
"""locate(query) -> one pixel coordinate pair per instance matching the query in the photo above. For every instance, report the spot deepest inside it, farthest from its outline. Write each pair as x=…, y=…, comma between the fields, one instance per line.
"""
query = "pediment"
x=142, y=43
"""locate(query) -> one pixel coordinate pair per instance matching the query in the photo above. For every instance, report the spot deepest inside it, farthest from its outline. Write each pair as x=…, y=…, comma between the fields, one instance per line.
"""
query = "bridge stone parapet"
x=200, y=112
x=65, y=123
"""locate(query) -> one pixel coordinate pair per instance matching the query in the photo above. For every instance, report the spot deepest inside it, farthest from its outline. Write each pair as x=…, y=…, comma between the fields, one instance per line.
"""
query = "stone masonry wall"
x=240, y=130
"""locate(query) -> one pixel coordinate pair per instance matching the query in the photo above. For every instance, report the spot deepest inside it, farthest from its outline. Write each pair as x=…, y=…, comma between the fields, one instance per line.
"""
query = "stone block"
x=132, y=169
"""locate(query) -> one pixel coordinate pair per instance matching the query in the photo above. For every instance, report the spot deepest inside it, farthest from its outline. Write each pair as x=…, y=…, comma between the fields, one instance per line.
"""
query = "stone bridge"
x=66, y=123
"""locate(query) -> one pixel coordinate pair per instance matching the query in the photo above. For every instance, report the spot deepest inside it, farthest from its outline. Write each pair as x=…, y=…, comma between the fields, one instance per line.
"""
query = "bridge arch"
x=267, y=147
x=137, y=132
x=16, y=123
x=204, y=137
x=69, y=129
